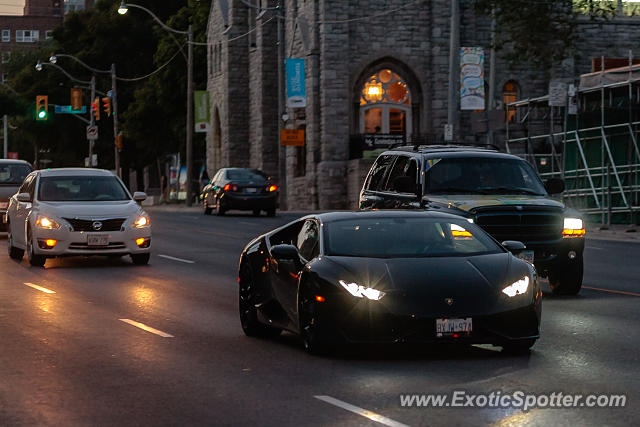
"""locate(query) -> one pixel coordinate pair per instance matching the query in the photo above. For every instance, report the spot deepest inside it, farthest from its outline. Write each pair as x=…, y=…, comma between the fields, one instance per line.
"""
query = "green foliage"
x=541, y=33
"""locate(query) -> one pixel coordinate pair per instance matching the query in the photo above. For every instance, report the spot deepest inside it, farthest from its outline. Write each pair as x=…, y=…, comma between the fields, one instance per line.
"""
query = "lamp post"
x=114, y=100
x=123, y=9
x=91, y=83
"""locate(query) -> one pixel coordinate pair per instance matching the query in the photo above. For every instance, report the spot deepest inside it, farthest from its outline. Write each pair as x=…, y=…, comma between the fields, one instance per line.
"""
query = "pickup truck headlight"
x=360, y=291
x=517, y=288
x=46, y=222
x=573, y=227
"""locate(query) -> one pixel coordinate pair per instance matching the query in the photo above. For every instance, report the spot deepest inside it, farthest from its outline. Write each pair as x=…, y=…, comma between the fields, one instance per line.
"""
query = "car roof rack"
x=454, y=146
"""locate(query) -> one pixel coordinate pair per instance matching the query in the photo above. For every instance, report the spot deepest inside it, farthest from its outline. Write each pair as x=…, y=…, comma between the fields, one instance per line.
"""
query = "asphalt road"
x=76, y=356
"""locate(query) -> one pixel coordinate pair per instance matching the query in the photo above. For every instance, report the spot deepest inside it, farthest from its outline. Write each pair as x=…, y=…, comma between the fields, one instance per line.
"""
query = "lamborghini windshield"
x=397, y=237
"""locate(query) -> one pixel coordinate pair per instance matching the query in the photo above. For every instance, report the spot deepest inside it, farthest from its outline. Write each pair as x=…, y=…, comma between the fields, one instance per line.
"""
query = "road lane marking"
x=363, y=412
x=246, y=223
x=613, y=291
x=40, y=288
x=146, y=328
x=187, y=261
x=595, y=247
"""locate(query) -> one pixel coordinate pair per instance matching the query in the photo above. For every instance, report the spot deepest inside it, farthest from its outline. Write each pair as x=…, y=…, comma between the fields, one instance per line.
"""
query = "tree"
x=542, y=33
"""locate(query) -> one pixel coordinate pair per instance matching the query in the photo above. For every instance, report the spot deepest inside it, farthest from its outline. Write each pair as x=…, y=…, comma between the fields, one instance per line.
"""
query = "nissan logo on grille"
x=96, y=225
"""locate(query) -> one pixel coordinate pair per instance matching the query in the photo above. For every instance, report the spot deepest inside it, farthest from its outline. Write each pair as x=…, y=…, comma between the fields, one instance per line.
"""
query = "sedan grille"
x=112, y=224
x=86, y=247
x=528, y=226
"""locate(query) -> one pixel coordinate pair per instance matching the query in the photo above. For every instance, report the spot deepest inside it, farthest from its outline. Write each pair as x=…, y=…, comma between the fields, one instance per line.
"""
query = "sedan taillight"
x=230, y=187
x=272, y=188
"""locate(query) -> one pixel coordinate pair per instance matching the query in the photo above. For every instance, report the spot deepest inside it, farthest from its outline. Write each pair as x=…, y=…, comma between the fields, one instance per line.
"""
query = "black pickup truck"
x=502, y=193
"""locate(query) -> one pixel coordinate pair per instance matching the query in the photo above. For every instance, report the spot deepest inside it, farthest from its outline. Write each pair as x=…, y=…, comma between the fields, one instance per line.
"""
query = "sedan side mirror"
x=24, y=197
x=285, y=252
x=554, y=185
x=139, y=196
x=514, y=246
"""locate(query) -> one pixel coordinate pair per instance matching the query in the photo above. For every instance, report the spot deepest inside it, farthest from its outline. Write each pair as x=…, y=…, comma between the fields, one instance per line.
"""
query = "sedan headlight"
x=362, y=291
x=142, y=221
x=573, y=227
x=46, y=222
x=518, y=287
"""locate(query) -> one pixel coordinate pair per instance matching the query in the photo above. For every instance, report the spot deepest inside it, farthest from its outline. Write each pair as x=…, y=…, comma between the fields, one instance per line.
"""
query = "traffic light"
x=106, y=104
x=76, y=99
x=95, y=108
x=42, y=106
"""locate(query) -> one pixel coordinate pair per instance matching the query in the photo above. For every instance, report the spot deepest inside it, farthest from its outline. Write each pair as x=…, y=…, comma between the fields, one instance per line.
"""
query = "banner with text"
x=201, y=110
x=471, y=78
x=296, y=94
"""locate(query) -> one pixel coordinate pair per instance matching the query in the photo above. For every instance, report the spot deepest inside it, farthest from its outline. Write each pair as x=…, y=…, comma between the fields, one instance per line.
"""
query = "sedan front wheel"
x=34, y=259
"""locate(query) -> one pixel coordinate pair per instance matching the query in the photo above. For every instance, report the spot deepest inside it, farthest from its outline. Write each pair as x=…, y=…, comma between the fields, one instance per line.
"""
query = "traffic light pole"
x=189, y=116
x=114, y=105
x=92, y=119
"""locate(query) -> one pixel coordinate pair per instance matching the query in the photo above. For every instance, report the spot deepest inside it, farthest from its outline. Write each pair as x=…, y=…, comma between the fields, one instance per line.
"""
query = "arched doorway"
x=385, y=105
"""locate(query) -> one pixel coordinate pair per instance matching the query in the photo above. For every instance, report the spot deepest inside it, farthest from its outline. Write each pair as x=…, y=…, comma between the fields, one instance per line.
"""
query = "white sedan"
x=69, y=211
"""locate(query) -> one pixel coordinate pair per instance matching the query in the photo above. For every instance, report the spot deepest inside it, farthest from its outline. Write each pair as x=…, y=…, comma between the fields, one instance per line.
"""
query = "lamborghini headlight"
x=518, y=287
x=142, y=221
x=360, y=291
x=46, y=222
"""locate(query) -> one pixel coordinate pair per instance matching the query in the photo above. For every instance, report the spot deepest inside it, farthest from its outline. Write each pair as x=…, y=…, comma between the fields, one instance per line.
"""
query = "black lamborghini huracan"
x=388, y=276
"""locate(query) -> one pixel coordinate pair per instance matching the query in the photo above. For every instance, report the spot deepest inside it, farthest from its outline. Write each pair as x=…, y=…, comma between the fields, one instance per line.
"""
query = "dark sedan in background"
x=12, y=173
x=241, y=189
x=388, y=276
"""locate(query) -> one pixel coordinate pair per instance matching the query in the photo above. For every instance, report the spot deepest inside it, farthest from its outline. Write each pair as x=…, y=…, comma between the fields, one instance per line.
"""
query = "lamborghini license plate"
x=450, y=327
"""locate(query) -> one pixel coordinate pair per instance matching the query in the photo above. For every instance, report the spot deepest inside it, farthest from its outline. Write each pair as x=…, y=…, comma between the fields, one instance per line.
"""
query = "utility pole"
x=454, y=54
x=189, y=115
x=490, y=106
x=114, y=106
x=6, y=138
x=282, y=150
x=92, y=118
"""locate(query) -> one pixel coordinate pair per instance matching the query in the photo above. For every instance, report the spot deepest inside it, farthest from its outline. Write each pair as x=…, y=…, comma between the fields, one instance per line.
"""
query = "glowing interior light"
x=373, y=90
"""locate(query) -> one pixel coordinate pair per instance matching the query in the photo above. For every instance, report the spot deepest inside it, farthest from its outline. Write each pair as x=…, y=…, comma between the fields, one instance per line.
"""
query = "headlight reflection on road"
x=144, y=297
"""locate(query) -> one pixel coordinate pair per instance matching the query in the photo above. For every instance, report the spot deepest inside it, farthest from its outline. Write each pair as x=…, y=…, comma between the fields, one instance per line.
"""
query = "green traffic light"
x=42, y=114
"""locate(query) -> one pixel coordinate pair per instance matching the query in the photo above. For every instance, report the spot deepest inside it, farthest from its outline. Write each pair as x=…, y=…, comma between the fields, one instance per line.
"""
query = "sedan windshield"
x=13, y=174
x=482, y=176
x=395, y=237
x=81, y=189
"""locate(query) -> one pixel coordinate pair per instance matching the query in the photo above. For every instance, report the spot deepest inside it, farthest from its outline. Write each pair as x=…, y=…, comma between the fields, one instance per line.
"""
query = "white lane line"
x=187, y=261
x=613, y=291
x=356, y=410
x=40, y=288
x=594, y=247
x=146, y=328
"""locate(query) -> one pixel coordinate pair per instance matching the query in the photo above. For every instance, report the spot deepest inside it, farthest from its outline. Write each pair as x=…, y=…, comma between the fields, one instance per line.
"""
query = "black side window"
x=378, y=172
x=308, y=241
x=287, y=236
x=398, y=170
x=31, y=187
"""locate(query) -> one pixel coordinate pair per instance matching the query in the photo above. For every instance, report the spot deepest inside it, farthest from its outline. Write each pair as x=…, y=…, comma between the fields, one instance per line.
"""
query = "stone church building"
x=376, y=71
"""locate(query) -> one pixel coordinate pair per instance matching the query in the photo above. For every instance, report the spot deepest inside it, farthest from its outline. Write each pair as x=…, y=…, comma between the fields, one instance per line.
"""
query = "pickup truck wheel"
x=566, y=279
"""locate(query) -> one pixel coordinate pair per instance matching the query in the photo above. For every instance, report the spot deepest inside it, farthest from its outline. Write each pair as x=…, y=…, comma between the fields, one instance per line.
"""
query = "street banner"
x=471, y=78
x=201, y=110
x=296, y=94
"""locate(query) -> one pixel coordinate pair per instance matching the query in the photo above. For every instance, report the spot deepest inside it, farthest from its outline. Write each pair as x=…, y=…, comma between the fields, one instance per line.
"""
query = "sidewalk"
x=617, y=232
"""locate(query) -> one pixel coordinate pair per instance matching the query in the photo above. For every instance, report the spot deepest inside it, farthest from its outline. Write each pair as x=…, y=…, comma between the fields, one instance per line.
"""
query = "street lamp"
x=123, y=9
x=114, y=97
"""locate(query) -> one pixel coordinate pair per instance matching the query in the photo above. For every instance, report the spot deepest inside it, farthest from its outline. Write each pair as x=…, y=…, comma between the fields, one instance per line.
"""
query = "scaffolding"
x=591, y=142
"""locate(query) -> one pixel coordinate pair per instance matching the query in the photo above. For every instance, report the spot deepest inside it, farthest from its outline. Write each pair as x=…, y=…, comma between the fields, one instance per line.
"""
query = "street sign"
x=68, y=109
x=12, y=155
x=92, y=133
x=293, y=137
